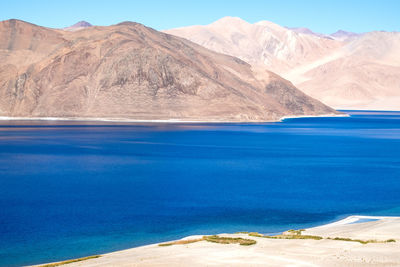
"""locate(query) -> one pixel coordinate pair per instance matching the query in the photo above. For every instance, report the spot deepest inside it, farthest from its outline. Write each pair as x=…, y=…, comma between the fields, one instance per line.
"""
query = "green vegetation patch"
x=181, y=242
x=70, y=261
x=230, y=240
x=313, y=237
x=166, y=244
x=291, y=234
x=255, y=234
x=361, y=241
x=295, y=232
x=213, y=239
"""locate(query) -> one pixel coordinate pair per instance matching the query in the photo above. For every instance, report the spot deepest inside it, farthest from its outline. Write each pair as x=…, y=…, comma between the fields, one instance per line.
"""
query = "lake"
x=72, y=189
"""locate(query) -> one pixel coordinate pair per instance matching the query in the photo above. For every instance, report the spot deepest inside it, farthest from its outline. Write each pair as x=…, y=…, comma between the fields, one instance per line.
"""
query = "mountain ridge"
x=344, y=70
x=131, y=71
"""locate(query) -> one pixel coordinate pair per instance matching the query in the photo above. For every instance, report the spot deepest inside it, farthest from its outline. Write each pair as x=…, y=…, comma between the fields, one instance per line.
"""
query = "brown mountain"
x=129, y=71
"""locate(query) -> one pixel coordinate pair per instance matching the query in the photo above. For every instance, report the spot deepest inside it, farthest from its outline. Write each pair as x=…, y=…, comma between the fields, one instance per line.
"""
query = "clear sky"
x=325, y=16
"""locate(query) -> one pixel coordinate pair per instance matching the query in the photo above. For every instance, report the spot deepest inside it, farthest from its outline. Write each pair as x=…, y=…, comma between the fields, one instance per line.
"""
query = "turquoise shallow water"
x=364, y=221
x=70, y=189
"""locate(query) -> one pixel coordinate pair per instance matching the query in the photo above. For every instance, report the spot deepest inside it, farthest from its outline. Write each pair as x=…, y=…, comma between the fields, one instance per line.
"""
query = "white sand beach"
x=383, y=249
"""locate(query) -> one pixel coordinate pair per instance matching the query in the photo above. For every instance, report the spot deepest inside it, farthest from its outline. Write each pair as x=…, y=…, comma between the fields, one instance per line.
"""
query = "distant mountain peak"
x=303, y=30
x=81, y=24
x=78, y=26
x=307, y=31
x=341, y=34
x=230, y=20
x=268, y=24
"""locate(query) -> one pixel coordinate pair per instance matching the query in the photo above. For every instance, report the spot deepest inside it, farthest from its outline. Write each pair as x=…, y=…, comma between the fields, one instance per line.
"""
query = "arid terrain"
x=354, y=241
x=129, y=71
x=343, y=70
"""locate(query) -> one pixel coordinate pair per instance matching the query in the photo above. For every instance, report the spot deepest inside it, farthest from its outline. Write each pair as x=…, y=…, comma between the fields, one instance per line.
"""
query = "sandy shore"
x=277, y=252
x=83, y=119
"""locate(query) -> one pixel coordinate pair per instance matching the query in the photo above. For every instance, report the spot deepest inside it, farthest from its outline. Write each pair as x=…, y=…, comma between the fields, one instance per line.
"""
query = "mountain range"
x=344, y=70
x=130, y=71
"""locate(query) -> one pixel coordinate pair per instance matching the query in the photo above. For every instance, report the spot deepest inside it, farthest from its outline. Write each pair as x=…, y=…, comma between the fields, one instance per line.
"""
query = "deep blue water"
x=74, y=189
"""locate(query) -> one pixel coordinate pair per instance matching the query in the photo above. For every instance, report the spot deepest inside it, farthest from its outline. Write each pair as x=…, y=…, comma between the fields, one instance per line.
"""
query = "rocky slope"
x=129, y=71
x=262, y=43
x=344, y=70
x=365, y=74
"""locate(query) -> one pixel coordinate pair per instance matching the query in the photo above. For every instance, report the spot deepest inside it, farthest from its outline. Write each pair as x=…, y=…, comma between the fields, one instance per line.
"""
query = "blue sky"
x=324, y=16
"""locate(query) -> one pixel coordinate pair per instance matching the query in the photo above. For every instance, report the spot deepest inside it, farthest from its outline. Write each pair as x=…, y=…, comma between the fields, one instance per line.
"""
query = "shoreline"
x=361, y=240
x=332, y=115
x=171, y=121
